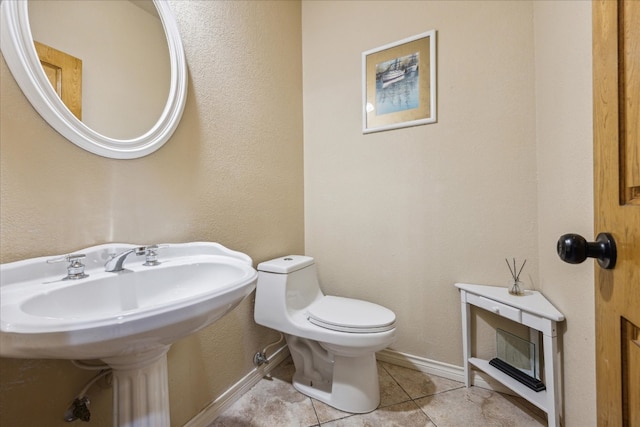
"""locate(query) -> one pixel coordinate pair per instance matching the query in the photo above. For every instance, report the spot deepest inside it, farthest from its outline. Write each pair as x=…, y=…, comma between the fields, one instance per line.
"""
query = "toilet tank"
x=286, y=264
x=286, y=284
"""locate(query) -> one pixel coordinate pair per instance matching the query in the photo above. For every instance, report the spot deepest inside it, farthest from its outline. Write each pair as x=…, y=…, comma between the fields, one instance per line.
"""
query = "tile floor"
x=408, y=398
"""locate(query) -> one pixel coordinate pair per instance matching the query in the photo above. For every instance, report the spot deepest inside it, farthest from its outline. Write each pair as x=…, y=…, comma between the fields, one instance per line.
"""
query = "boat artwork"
x=397, y=69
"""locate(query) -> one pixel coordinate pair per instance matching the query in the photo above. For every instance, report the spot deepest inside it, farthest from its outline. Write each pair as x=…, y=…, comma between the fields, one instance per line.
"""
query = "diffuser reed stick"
x=515, y=288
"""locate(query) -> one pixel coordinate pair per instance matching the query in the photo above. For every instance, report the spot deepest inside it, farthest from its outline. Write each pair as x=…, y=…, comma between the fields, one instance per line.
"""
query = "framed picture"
x=399, y=84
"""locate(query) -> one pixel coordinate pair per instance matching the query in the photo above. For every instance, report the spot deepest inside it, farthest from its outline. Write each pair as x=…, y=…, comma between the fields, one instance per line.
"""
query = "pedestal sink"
x=128, y=319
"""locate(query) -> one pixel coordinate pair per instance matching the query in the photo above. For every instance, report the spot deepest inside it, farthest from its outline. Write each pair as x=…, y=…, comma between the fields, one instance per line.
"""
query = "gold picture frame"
x=399, y=84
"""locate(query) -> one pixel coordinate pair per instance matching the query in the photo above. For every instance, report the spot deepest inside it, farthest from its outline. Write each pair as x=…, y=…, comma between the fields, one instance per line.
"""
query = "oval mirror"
x=99, y=134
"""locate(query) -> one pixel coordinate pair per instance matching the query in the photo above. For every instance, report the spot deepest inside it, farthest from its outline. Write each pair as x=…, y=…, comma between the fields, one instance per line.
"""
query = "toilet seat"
x=350, y=315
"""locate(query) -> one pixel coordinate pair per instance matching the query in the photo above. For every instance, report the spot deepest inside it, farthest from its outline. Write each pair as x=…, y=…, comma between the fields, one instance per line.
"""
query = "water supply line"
x=260, y=357
x=90, y=366
x=79, y=407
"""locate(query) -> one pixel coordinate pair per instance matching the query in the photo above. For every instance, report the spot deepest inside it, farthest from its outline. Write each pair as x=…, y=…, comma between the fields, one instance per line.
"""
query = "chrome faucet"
x=75, y=268
x=151, y=255
x=116, y=262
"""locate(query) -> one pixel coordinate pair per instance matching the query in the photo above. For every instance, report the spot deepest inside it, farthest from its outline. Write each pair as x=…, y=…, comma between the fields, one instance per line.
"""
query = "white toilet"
x=332, y=340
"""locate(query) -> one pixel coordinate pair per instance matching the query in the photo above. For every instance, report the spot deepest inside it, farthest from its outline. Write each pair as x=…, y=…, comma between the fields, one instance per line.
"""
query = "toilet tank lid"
x=285, y=264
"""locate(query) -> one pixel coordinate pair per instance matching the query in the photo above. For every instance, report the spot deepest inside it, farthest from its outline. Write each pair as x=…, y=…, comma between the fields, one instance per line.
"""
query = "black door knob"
x=574, y=249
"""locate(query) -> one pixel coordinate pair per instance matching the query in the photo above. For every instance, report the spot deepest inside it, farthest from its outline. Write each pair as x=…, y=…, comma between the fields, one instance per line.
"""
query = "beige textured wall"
x=565, y=187
x=398, y=217
x=232, y=173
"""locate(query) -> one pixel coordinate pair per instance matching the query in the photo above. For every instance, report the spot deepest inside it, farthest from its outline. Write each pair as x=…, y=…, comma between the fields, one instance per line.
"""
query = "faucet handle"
x=151, y=254
x=75, y=269
x=67, y=257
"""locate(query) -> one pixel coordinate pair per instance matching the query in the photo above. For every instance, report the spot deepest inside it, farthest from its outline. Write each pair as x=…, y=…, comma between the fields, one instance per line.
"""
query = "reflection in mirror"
x=64, y=72
x=126, y=69
x=20, y=54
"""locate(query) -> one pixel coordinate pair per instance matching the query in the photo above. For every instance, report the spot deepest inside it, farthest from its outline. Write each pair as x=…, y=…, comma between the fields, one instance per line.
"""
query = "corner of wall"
x=563, y=79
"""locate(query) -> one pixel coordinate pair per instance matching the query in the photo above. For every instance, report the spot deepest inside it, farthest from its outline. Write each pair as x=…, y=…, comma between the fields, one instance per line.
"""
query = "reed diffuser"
x=516, y=285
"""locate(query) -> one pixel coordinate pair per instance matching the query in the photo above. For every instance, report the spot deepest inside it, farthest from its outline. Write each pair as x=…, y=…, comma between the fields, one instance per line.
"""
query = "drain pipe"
x=260, y=357
x=79, y=408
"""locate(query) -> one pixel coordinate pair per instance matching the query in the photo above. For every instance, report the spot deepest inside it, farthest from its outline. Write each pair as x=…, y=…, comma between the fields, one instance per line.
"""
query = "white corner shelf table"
x=533, y=310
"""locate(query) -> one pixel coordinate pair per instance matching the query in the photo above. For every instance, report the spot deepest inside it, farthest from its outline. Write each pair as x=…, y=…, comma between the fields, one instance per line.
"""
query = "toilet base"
x=354, y=387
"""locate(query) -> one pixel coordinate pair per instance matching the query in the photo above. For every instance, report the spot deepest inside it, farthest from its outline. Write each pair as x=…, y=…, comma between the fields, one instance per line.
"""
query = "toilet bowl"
x=332, y=340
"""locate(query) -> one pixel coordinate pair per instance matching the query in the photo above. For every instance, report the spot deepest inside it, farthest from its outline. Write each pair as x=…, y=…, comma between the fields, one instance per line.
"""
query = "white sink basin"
x=129, y=319
x=108, y=314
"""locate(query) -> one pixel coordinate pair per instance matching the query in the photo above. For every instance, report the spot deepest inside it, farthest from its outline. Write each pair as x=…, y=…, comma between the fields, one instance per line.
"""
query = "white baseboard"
x=229, y=397
x=440, y=369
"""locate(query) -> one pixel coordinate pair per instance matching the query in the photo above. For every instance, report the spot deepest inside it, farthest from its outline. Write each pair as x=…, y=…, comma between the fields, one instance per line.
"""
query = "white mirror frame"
x=21, y=57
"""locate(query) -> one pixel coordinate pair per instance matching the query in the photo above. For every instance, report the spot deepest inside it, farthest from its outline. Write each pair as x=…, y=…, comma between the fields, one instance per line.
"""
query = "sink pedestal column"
x=141, y=389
